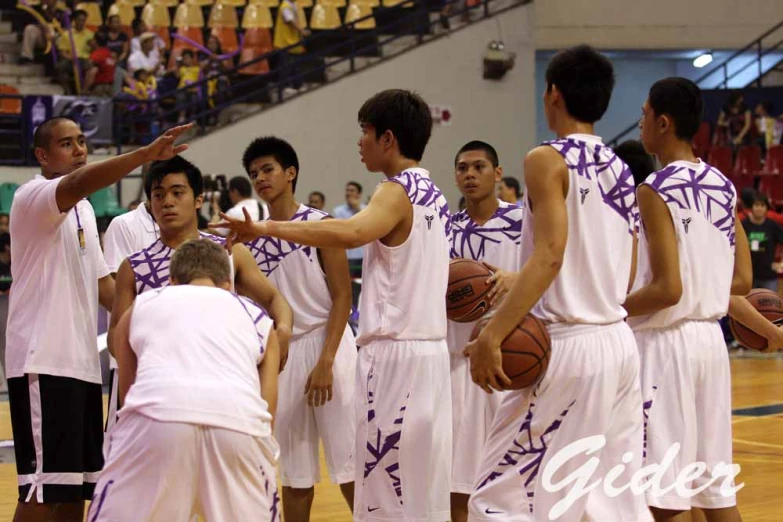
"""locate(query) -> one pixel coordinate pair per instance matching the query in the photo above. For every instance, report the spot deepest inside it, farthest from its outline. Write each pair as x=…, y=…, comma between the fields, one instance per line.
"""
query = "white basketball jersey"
x=702, y=203
x=404, y=287
x=151, y=265
x=295, y=271
x=198, y=351
x=601, y=206
x=497, y=242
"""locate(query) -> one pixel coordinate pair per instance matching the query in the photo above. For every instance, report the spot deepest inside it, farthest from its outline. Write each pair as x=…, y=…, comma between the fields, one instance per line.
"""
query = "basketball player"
x=198, y=382
x=322, y=358
x=126, y=235
x=487, y=230
x=577, y=248
x=176, y=190
x=403, y=452
x=60, y=277
x=687, y=212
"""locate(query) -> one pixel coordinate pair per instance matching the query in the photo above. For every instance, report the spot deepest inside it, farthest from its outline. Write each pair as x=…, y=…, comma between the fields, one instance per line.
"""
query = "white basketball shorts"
x=169, y=471
x=403, y=443
x=686, y=385
x=298, y=426
x=590, y=397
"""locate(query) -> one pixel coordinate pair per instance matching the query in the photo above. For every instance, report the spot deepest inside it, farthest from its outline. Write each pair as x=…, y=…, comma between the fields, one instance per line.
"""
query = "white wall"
x=654, y=24
x=322, y=125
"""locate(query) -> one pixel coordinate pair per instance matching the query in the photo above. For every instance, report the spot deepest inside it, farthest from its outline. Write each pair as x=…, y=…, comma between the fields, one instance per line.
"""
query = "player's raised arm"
x=546, y=180
x=385, y=211
x=90, y=178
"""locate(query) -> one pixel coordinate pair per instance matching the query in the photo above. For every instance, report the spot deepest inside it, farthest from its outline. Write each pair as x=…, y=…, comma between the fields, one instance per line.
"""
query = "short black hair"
x=176, y=165
x=488, y=149
x=242, y=185
x=680, y=99
x=355, y=184
x=79, y=12
x=760, y=197
x=137, y=24
x=276, y=147
x=102, y=37
x=319, y=194
x=633, y=154
x=513, y=183
x=747, y=195
x=108, y=18
x=405, y=114
x=585, y=79
x=187, y=52
x=43, y=133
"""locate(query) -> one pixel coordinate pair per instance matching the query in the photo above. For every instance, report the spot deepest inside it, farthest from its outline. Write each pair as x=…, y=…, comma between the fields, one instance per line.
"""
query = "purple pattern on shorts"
x=469, y=240
x=525, y=446
x=151, y=265
x=269, y=252
x=257, y=314
x=704, y=190
x=423, y=192
x=646, y=406
x=99, y=506
x=274, y=509
x=598, y=163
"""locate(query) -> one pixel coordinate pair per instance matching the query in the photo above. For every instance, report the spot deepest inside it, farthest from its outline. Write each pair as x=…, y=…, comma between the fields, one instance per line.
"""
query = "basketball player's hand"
x=501, y=281
x=319, y=384
x=240, y=230
x=775, y=343
x=163, y=147
x=486, y=362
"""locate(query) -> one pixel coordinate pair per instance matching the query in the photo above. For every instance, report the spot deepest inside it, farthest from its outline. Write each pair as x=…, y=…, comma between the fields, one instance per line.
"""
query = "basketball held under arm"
x=743, y=312
x=126, y=359
x=665, y=288
x=124, y=295
x=546, y=178
x=742, y=280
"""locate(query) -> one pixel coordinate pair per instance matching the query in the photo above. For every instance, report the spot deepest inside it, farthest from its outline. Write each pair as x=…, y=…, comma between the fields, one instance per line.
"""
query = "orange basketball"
x=466, y=295
x=526, y=351
x=770, y=305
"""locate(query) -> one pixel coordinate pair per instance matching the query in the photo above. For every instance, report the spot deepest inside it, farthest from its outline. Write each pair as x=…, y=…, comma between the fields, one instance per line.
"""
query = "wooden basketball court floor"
x=757, y=400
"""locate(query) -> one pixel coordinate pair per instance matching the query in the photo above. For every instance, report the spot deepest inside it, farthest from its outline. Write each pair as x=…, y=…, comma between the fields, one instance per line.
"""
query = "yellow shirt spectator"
x=188, y=74
x=81, y=40
x=286, y=32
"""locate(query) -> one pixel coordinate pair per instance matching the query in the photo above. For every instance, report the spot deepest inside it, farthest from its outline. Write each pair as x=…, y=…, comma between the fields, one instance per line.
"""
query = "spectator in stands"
x=214, y=69
x=146, y=57
x=99, y=79
x=768, y=126
x=34, y=36
x=116, y=39
x=289, y=31
x=352, y=206
x=82, y=38
x=139, y=28
x=316, y=200
x=734, y=121
x=510, y=191
x=188, y=73
x=764, y=236
x=240, y=192
x=5, y=262
x=4, y=223
x=745, y=203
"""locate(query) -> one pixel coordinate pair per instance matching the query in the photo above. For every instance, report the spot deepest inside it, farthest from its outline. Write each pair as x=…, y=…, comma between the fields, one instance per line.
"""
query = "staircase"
x=27, y=79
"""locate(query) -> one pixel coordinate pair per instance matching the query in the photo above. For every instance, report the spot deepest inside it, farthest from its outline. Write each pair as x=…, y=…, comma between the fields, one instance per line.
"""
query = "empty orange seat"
x=193, y=33
x=256, y=16
x=223, y=15
x=227, y=38
x=251, y=53
x=188, y=15
x=258, y=37
x=10, y=105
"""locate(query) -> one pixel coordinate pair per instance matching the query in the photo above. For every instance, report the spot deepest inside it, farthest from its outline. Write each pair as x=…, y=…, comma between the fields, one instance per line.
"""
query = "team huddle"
x=233, y=359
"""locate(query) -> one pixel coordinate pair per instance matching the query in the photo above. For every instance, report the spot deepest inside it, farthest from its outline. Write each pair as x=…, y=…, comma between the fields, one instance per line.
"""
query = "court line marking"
x=760, y=444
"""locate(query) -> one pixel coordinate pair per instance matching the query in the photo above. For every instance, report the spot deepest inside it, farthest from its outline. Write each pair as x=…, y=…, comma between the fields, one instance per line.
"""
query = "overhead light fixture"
x=702, y=60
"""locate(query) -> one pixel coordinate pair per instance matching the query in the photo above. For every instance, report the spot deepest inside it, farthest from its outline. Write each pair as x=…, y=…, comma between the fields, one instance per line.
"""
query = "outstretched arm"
x=386, y=210
x=546, y=180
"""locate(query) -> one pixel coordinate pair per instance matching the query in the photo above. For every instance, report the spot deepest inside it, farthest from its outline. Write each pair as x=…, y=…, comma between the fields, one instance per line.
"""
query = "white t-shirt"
x=403, y=287
x=138, y=60
x=127, y=234
x=252, y=208
x=53, y=307
x=702, y=203
x=198, y=351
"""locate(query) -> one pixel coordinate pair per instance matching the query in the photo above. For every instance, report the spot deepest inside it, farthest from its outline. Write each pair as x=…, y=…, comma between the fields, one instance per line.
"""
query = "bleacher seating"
x=104, y=202
x=324, y=17
x=94, y=15
x=748, y=161
x=773, y=165
x=10, y=105
x=7, y=191
x=357, y=11
x=702, y=141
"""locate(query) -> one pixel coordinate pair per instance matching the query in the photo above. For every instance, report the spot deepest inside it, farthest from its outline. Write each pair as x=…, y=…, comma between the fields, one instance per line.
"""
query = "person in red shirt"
x=100, y=79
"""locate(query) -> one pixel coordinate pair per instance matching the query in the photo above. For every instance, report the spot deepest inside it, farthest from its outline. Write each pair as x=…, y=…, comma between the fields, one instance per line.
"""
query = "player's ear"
x=199, y=201
x=664, y=122
x=291, y=173
x=498, y=174
x=40, y=155
x=387, y=138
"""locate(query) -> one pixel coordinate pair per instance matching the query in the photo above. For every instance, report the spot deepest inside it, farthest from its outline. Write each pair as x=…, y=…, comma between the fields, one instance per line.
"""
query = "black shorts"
x=58, y=437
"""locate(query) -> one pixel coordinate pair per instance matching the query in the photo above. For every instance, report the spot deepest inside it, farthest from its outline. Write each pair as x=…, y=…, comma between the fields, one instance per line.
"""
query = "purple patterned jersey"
x=151, y=265
x=702, y=204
